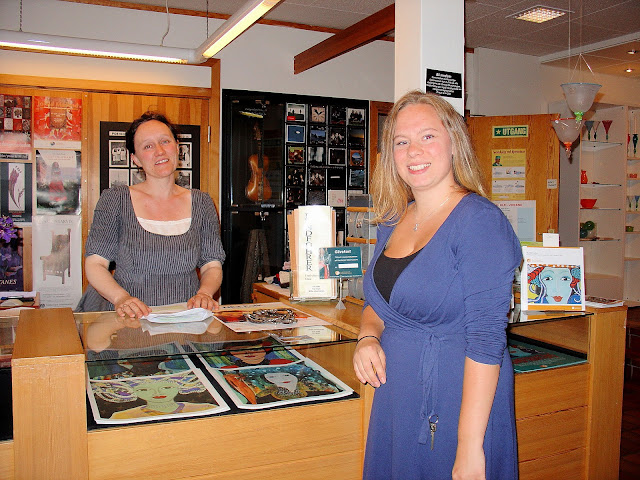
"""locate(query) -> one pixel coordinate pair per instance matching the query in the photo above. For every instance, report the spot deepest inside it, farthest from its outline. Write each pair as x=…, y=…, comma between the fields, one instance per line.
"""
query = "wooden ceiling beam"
x=357, y=35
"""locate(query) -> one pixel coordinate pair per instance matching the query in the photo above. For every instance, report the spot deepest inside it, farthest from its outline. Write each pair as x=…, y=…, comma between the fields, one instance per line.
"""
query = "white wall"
x=261, y=59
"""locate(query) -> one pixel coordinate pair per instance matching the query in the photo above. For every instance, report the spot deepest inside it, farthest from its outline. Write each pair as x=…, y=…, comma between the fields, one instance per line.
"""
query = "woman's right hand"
x=369, y=361
x=133, y=307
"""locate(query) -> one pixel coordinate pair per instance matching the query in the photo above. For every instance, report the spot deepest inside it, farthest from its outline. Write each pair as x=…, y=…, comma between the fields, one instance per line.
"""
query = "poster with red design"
x=15, y=128
x=57, y=122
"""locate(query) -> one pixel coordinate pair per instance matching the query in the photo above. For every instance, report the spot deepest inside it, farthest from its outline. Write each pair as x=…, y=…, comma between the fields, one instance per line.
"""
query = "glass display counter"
x=568, y=418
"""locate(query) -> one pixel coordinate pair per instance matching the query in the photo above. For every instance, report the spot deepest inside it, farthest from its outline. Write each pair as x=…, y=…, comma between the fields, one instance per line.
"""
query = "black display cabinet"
x=281, y=151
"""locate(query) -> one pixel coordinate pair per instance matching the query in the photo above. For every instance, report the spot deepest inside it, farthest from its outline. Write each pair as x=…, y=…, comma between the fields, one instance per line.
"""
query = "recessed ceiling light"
x=629, y=70
x=633, y=51
x=538, y=14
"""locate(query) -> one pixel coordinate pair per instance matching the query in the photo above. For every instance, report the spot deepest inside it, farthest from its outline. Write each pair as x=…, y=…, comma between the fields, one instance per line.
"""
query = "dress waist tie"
x=429, y=380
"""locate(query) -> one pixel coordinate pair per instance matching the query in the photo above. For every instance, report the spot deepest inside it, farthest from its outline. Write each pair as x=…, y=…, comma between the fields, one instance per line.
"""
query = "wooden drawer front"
x=549, y=391
x=564, y=466
x=229, y=443
x=549, y=434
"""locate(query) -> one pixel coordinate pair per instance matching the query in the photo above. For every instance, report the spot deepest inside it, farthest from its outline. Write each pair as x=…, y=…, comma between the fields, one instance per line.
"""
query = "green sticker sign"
x=510, y=131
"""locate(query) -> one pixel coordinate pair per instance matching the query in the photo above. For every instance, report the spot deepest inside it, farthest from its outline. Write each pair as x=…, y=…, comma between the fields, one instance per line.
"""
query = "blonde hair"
x=391, y=195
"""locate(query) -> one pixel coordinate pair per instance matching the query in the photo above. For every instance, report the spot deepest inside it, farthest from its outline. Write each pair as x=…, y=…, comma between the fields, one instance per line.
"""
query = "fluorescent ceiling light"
x=538, y=14
x=92, y=48
x=246, y=16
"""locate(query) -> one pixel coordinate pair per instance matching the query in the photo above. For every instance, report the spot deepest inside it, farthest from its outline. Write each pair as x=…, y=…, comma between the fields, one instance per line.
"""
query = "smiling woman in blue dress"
x=159, y=234
x=438, y=289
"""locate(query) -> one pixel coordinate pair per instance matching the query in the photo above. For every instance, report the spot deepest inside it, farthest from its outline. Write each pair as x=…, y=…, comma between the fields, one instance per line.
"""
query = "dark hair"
x=145, y=117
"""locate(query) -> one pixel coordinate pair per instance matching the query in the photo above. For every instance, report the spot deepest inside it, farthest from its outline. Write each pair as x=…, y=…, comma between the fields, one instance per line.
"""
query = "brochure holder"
x=311, y=228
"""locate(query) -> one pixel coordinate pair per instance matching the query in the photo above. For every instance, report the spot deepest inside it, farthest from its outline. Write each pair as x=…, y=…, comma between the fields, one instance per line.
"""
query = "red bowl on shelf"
x=588, y=202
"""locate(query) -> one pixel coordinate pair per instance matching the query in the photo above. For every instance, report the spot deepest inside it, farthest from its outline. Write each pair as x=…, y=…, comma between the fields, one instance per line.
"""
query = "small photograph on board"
x=295, y=196
x=316, y=196
x=316, y=155
x=184, y=154
x=356, y=158
x=295, y=176
x=337, y=137
x=118, y=176
x=338, y=115
x=355, y=116
x=296, y=133
x=336, y=198
x=119, y=156
x=296, y=112
x=317, y=135
x=137, y=176
x=337, y=156
x=356, y=137
x=183, y=178
x=336, y=178
x=295, y=154
x=318, y=114
x=317, y=177
x=356, y=178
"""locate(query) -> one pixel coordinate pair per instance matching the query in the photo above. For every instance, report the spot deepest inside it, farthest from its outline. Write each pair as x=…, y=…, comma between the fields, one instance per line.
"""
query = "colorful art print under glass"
x=261, y=387
x=58, y=182
x=111, y=369
x=143, y=399
x=11, y=263
x=15, y=127
x=528, y=358
x=57, y=122
x=15, y=190
x=239, y=355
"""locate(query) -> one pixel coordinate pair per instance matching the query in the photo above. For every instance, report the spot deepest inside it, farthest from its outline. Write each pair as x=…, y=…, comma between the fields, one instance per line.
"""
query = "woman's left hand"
x=202, y=300
x=469, y=464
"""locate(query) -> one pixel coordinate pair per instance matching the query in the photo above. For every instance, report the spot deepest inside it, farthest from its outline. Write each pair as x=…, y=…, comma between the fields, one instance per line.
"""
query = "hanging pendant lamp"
x=567, y=129
x=580, y=96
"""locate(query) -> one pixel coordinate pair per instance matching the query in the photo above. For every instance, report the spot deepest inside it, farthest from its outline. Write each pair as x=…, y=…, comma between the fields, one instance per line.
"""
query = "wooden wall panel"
x=123, y=102
x=542, y=160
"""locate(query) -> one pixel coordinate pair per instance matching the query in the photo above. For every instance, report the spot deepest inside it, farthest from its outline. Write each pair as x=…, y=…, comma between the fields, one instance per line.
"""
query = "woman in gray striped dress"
x=157, y=233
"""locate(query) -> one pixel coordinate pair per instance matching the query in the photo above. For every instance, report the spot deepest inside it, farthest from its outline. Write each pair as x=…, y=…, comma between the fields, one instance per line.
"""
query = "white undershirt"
x=165, y=227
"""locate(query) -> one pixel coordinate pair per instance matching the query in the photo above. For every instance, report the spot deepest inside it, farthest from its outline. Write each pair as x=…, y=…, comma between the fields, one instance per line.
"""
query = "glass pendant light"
x=580, y=96
x=567, y=129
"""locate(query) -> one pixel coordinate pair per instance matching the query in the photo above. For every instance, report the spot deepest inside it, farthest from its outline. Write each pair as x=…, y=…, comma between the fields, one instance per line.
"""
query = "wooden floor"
x=630, y=441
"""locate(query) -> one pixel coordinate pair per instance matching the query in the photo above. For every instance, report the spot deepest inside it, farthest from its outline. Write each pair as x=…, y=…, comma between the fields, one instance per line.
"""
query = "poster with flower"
x=15, y=127
x=57, y=122
x=15, y=190
x=11, y=262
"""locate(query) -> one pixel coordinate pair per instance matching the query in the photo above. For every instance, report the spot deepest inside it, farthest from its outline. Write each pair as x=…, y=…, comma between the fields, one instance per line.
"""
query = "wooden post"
x=49, y=409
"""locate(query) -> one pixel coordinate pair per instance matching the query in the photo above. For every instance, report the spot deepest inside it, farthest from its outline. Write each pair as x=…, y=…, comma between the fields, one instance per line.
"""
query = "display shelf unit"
x=632, y=207
x=607, y=168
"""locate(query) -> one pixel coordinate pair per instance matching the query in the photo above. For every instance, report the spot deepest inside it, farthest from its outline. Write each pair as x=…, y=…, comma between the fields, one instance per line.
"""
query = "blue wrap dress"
x=450, y=302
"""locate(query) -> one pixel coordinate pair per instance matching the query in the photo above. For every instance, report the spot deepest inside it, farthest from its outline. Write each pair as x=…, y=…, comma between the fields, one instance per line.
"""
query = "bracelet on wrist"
x=367, y=336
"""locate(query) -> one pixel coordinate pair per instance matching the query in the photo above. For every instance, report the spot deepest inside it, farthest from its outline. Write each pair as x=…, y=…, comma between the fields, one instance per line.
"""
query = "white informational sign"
x=522, y=216
x=57, y=259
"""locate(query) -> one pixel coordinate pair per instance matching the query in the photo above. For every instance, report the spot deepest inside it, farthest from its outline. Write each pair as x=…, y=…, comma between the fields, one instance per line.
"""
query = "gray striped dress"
x=157, y=269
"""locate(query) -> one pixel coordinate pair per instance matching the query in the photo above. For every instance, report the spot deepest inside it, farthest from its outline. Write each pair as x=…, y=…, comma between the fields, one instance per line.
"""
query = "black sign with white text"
x=445, y=84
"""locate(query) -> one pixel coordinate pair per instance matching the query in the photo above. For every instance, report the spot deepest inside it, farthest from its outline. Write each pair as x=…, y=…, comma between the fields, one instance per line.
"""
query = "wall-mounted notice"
x=508, y=171
x=445, y=84
x=522, y=216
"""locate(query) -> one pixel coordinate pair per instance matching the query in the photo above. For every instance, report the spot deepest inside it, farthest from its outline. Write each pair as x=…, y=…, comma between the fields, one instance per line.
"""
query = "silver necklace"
x=415, y=212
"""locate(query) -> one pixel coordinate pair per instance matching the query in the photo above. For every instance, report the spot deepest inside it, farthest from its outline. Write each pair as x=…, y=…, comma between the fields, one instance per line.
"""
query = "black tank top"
x=387, y=270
